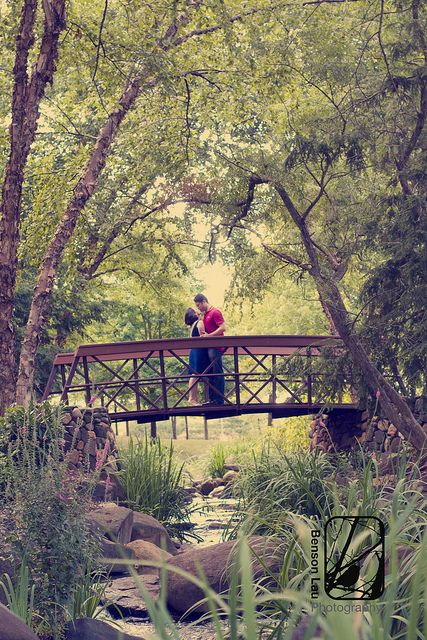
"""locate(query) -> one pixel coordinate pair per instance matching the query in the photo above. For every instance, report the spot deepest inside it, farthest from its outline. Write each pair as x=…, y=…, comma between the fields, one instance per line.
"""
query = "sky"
x=217, y=279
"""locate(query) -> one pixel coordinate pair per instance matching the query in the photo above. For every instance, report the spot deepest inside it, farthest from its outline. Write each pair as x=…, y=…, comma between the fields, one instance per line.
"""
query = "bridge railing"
x=152, y=377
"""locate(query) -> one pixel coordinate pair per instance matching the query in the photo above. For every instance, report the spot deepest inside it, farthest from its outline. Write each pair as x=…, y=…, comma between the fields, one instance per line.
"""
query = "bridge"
x=148, y=380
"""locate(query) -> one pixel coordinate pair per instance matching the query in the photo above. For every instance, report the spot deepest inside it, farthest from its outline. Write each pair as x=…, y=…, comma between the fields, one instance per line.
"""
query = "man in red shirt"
x=214, y=323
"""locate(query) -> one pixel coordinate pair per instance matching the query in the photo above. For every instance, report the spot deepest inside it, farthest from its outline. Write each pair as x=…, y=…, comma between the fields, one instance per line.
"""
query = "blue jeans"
x=217, y=382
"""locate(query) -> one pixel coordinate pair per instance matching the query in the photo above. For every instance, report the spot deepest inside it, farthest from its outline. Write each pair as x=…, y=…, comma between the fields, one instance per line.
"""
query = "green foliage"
x=217, y=460
x=44, y=509
x=291, y=435
x=42, y=424
x=395, y=323
x=153, y=483
x=20, y=596
x=249, y=610
x=88, y=597
x=72, y=308
x=273, y=484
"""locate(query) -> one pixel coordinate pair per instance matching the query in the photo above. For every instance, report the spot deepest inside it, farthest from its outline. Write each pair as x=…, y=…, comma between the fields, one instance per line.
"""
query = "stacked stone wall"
x=341, y=430
x=89, y=438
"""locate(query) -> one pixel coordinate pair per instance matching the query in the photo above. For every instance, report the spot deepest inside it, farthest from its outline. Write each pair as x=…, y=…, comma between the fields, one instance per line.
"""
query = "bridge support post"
x=205, y=420
x=270, y=415
x=173, y=420
x=186, y=427
x=153, y=430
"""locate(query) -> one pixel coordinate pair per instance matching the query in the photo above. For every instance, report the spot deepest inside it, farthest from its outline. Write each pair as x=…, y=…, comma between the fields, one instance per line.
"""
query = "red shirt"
x=212, y=320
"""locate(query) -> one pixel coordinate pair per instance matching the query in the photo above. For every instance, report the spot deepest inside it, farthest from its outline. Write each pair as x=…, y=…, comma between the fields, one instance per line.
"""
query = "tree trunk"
x=393, y=405
x=332, y=327
x=27, y=94
x=173, y=420
x=82, y=192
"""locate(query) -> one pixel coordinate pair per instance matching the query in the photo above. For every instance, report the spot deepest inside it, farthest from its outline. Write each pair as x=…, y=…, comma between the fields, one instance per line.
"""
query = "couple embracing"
x=206, y=321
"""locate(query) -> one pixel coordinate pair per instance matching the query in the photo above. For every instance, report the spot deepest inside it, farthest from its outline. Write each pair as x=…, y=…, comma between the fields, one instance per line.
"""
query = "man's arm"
x=218, y=332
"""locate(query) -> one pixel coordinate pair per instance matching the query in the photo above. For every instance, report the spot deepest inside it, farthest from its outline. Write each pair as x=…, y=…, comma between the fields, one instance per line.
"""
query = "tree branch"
x=246, y=204
x=207, y=30
x=88, y=272
x=100, y=43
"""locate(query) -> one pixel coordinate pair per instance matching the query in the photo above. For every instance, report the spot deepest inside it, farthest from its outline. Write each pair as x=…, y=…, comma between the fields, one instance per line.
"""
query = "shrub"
x=44, y=512
x=291, y=435
x=43, y=421
x=153, y=483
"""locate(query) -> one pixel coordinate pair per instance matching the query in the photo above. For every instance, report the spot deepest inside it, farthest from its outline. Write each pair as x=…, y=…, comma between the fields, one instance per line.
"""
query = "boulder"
x=12, y=627
x=125, y=595
x=108, y=489
x=217, y=492
x=215, y=562
x=379, y=437
x=391, y=431
x=147, y=528
x=207, y=486
x=232, y=467
x=216, y=526
x=114, y=554
x=144, y=550
x=115, y=522
x=93, y=629
x=191, y=491
x=230, y=476
x=77, y=414
x=101, y=430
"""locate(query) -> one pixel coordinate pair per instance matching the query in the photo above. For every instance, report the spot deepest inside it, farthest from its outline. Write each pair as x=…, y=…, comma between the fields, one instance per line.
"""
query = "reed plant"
x=88, y=596
x=217, y=461
x=153, y=483
x=272, y=483
x=284, y=607
x=19, y=593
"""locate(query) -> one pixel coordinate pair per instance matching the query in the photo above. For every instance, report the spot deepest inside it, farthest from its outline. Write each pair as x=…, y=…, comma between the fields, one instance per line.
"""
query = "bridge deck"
x=149, y=380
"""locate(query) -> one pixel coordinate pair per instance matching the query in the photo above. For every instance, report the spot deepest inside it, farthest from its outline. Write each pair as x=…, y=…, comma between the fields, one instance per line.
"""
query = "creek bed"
x=211, y=521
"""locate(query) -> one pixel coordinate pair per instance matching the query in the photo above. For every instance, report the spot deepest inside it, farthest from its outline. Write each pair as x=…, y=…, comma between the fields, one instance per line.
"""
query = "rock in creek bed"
x=125, y=595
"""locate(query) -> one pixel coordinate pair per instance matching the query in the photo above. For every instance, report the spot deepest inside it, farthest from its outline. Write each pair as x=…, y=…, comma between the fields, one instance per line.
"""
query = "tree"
x=306, y=167
x=28, y=92
x=148, y=66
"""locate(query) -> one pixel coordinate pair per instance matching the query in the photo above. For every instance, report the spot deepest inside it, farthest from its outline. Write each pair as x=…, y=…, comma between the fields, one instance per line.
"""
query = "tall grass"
x=217, y=460
x=271, y=484
x=154, y=484
x=20, y=596
x=251, y=610
x=88, y=596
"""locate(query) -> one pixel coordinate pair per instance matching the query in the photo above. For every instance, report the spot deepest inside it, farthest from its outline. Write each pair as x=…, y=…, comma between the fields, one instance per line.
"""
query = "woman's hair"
x=190, y=316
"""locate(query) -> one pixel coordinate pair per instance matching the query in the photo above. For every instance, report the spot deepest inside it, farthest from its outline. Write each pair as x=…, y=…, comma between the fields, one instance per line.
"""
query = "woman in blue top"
x=198, y=359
